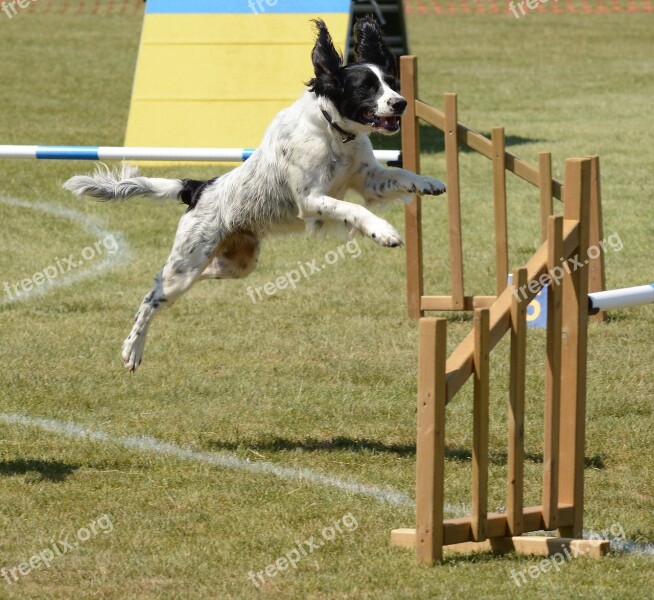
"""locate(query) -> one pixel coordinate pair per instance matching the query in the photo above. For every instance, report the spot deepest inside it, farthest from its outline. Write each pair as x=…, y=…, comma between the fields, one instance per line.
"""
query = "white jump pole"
x=624, y=298
x=155, y=154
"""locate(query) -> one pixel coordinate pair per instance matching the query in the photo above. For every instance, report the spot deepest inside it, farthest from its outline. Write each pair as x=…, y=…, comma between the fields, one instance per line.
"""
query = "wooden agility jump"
x=456, y=134
x=440, y=377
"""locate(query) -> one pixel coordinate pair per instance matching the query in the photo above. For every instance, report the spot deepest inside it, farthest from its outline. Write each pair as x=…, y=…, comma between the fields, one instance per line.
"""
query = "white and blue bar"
x=624, y=298
x=143, y=154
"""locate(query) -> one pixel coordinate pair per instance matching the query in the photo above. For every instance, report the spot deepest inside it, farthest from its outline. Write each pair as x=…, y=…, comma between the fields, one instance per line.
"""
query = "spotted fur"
x=311, y=155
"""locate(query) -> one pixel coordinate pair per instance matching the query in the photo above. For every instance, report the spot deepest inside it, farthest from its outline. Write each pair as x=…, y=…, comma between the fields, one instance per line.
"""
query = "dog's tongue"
x=388, y=122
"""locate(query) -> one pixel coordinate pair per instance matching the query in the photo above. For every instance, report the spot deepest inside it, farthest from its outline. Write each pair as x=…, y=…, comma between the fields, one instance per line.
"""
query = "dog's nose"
x=399, y=106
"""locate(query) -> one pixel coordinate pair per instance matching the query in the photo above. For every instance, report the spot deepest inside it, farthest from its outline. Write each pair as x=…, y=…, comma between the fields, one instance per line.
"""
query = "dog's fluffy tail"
x=122, y=184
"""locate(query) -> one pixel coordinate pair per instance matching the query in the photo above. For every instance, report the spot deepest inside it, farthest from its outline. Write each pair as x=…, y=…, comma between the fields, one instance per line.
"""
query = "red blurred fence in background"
x=88, y=7
x=412, y=7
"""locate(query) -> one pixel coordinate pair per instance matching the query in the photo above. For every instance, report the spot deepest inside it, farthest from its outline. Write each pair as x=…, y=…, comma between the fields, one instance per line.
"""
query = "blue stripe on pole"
x=145, y=154
x=253, y=7
x=67, y=152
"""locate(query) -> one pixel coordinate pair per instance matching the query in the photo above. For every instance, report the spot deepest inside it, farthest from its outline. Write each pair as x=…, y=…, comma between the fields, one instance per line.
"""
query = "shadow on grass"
x=336, y=444
x=340, y=443
x=37, y=470
x=432, y=141
x=596, y=461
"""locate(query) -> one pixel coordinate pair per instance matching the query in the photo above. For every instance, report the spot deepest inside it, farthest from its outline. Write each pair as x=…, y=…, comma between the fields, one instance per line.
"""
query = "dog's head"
x=364, y=92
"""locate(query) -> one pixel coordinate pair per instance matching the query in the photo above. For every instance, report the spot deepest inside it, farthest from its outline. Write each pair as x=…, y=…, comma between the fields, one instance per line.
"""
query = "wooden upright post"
x=499, y=199
x=430, y=445
x=454, y=202
x=552, y=378
x=516, y=455
x=480, y=417
x=577, y=187
x=545, y=188
x=412, y=211
x=596, y=274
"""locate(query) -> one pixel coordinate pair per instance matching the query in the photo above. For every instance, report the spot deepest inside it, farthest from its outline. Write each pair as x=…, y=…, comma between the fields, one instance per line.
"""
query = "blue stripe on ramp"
x=67, y=152
x=253, y=7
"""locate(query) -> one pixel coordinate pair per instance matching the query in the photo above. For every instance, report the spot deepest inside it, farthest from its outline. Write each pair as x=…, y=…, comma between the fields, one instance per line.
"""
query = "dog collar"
x=346, y=136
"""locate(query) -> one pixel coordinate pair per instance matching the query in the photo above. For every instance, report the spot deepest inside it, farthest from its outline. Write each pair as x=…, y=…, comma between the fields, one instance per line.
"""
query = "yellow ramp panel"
x=222, y=72
x=217, y=78
x=216, y=29
x=201, y=124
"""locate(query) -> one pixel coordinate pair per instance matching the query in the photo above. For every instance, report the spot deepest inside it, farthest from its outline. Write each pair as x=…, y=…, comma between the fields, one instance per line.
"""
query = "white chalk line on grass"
x=152, y=445
x=90, y=225
x=628, y=546
x=228, y=461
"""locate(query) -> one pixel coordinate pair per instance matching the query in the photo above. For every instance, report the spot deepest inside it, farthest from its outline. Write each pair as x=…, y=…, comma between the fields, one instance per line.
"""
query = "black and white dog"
x=311, y=154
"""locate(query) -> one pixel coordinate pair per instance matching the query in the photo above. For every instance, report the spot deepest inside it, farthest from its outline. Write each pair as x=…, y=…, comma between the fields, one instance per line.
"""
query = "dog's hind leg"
x=234, y=258
x=194, y=246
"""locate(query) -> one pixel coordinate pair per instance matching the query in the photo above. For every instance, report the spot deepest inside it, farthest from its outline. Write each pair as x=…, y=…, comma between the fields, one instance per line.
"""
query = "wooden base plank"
x=457, y=531
x=535, y=545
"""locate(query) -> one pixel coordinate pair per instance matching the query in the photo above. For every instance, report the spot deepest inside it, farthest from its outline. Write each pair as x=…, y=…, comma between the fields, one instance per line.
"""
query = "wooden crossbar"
x=447, y=303
x=482, y=145
x=459, y=364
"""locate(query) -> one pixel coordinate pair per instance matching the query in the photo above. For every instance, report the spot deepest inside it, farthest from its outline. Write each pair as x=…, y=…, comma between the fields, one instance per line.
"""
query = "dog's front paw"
x=432, y=187
x=384, y=234
x=132, y=352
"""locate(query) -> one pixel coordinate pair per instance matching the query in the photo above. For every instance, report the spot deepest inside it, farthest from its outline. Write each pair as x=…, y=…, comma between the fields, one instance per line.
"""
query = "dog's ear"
x=370, y=47
x=327, y=63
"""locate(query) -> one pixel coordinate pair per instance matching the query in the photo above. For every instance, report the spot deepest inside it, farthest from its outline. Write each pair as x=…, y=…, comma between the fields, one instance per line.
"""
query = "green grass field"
x=320, y=378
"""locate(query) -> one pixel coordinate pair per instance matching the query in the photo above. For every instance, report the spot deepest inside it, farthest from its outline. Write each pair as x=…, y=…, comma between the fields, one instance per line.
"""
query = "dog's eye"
x=390, y=82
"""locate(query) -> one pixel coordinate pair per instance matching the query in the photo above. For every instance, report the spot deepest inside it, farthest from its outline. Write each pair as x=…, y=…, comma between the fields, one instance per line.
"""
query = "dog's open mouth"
x=390, y=124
